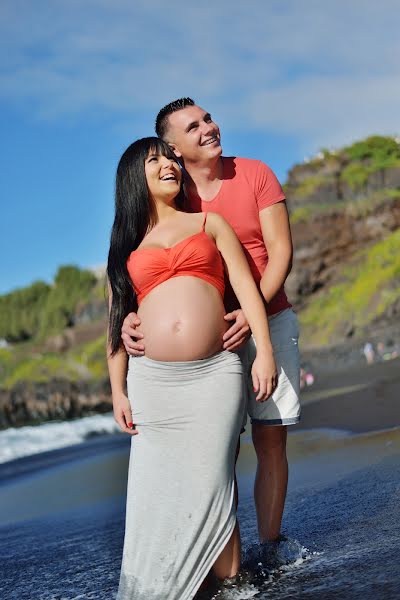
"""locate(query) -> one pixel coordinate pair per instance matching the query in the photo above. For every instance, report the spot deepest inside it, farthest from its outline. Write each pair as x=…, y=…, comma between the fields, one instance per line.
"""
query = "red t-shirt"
x=248, y=187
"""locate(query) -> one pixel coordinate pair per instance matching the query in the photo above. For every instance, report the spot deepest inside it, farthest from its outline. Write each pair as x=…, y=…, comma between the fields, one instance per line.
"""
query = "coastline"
x=359, y=399
x=370, y=391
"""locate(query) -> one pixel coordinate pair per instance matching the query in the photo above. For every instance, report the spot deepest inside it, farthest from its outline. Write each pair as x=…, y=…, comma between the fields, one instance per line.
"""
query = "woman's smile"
x=163, y=175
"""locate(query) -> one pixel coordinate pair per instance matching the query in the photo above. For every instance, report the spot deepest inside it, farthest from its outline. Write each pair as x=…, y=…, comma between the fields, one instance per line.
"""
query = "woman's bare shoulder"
x=216, y=221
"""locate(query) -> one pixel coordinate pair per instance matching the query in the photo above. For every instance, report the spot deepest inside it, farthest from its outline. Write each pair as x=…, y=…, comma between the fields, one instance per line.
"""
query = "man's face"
x=193, y=135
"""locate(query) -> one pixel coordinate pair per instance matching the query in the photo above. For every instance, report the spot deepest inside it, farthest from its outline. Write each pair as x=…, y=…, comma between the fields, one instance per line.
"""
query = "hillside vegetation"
x=40, y=310
x=350, y=172
x=53, y=330
x=345, y=215
x=363, y=293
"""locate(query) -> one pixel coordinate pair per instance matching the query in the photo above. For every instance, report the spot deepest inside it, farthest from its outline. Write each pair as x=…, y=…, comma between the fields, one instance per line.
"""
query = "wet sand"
x=360, y=399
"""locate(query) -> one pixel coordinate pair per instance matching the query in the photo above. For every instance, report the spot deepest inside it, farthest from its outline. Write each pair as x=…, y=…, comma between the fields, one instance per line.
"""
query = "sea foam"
x=32, y=439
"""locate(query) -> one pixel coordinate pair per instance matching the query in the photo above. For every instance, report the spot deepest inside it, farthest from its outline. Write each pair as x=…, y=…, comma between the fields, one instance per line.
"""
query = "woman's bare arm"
x=117, y=369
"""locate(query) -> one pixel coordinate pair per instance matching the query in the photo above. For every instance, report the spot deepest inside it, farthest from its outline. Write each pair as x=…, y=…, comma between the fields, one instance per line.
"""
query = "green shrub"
x=302, y=214
x=367, y=289
x=21, y=311
x=376, y=149
x=40, y=310
x=71, y=285
x=7, y=361
x=41, y=369
x=310, y=185
x=355, y=175
x=93, y=356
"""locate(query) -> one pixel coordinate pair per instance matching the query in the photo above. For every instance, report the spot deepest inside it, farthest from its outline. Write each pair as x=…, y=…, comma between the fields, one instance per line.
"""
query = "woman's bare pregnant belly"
x=182, y=319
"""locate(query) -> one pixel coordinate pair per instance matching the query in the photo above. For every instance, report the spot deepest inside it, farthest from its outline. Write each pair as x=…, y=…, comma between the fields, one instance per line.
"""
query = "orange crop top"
x=196, y=256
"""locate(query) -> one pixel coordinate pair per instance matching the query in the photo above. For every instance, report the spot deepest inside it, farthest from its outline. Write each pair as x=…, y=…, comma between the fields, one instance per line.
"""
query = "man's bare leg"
x=270, y=484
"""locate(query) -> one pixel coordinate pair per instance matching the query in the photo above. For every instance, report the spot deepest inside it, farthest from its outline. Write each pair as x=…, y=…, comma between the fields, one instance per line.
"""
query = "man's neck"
x=204, y=179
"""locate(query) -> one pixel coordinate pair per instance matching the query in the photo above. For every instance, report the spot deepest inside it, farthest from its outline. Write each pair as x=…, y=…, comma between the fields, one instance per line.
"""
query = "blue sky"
x=80, y=80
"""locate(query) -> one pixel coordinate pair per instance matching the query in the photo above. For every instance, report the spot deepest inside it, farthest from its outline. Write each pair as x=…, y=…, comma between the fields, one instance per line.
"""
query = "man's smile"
x=209, y=141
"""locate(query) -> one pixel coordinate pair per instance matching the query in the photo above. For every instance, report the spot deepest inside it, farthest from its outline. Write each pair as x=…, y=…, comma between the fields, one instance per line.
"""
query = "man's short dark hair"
x=161, y=125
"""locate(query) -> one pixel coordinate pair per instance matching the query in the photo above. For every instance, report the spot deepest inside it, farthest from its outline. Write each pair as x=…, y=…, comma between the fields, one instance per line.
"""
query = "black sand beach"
x=360, y=399
x=62, y=512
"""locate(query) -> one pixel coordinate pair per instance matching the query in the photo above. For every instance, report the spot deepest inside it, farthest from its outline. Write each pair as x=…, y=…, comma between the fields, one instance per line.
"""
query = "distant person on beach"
x=183, y=405
x=248, y=195
x=380, y=348
x=369, y=353
x=388, y=350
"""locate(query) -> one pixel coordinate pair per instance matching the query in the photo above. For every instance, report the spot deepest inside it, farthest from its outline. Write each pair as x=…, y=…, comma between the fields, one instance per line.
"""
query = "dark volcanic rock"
x=325, y=243
x=58, y=399
x=392, y=178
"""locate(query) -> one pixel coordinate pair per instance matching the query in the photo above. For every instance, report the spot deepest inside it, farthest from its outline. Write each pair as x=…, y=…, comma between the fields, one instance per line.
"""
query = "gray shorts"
x=283, y=407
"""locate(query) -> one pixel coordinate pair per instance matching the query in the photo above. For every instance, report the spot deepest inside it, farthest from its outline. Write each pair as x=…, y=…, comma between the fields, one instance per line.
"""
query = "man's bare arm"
x=277, y=236
x=278, y=241
x=131, y=336
x=238, y=334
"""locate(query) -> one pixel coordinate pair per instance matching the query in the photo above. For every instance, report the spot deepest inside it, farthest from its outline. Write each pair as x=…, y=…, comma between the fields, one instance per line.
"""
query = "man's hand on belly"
x=132, y=338
x=238, y=334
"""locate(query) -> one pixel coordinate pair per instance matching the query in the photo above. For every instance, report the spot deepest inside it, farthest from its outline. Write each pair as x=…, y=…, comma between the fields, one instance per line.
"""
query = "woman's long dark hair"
x=135, y=215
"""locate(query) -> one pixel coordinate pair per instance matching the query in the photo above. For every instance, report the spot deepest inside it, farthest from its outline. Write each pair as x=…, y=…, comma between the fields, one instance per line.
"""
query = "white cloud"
x=329, y=111
x=325, y=72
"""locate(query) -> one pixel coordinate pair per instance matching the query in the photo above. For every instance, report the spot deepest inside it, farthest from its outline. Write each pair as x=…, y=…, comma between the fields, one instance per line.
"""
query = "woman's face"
x=163, y=176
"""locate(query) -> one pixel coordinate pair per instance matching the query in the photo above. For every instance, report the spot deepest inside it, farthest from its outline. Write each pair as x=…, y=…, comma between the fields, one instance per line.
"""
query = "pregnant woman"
x=183, y=403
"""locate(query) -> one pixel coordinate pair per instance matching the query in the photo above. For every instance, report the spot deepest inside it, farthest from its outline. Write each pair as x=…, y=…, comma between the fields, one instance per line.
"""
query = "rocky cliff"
x=345, y=215
x=325, y=242
x=36, y=402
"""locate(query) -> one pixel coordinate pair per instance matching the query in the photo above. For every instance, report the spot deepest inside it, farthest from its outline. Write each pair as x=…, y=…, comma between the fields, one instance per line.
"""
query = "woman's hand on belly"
x=182, y=319
x=123, y=413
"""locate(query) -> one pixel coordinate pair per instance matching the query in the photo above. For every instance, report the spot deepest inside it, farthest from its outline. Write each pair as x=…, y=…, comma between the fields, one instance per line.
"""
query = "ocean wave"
x=32, y=439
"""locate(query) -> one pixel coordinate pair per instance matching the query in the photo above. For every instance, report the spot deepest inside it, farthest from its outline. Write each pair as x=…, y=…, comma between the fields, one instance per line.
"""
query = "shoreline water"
x=62, y=520
x=62, y=510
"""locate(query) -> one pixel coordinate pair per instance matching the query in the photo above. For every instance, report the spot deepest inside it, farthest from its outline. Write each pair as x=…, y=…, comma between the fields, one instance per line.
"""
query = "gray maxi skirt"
x=180, y=509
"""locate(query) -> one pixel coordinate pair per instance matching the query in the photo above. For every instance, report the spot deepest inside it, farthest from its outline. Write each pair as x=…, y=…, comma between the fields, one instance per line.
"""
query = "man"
x=248, y=195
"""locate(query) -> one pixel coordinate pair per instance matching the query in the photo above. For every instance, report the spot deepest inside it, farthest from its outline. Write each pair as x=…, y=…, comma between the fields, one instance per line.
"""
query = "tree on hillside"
x=379, y=151
x=21, y=312
x=40, y=310
x=71, y=286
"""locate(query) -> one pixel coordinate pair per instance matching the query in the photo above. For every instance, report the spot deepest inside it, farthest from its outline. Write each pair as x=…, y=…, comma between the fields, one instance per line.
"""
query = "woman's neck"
x=164, y=211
